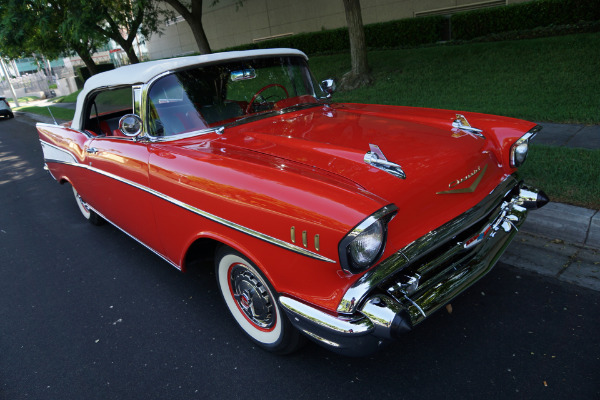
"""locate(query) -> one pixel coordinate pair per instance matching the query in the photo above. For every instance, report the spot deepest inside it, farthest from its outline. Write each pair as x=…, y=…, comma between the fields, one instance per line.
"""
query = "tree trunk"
x=88, y=61
x=133, y=58
x=194, y=20
x=126, y=45
x=359, y=75
x=200, y=36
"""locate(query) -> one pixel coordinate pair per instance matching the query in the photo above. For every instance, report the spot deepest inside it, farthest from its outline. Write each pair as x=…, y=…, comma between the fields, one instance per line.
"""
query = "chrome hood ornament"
x=461, y=124
x=375, y=158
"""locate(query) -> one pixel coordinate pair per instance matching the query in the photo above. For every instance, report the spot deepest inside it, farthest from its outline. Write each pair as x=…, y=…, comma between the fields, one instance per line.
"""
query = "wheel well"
x=201, y=254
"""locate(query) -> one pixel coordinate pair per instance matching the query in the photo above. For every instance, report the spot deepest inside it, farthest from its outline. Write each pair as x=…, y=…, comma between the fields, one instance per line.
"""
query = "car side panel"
x=117, y=186
x=64, y=154
x=263, y=200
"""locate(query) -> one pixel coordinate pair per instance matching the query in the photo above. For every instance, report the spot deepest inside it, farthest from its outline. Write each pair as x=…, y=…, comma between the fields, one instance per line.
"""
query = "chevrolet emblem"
x=477, y=171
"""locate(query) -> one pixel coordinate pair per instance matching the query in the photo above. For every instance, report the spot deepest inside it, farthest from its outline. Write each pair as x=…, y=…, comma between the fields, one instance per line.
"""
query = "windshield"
x=215, y=95
x=4, y=105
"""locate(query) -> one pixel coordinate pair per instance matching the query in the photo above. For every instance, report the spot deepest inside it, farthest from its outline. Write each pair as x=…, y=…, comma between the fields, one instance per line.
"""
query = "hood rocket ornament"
x=461, y=124
x=375, y=158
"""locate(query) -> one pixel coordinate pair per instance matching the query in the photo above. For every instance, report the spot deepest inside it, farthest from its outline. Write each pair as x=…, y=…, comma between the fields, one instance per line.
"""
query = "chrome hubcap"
x=83, y=203
x=252, y=297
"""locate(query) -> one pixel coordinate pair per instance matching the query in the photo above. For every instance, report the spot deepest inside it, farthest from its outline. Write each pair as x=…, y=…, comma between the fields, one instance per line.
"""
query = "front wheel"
x=86, y=211
x=252, y=303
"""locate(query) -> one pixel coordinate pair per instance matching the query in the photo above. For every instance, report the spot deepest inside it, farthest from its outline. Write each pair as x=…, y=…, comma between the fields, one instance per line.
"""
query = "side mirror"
x=328, y=86
x=130, y=125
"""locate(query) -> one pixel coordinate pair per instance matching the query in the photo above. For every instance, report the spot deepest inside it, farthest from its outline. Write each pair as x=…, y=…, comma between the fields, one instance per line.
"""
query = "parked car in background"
x=348, y=224
x=5, y=110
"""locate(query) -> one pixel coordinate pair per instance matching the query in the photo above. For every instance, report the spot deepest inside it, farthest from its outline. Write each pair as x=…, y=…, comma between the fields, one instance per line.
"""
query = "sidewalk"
x=558, y=240
x=582, y=136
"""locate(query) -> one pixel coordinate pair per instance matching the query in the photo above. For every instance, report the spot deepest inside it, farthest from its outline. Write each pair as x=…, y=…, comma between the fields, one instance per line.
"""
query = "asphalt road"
x=87, y=313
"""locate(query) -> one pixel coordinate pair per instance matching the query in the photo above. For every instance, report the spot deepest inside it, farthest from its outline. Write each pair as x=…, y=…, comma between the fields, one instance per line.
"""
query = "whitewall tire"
x=253, y=303
x=86, y=211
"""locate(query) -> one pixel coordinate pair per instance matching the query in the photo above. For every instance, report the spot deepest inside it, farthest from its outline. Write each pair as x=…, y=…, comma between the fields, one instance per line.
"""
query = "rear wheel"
x=253, y=304
x=86, y=211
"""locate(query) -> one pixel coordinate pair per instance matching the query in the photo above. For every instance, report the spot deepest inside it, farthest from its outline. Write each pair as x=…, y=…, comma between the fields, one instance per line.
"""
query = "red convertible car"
x=348, y=224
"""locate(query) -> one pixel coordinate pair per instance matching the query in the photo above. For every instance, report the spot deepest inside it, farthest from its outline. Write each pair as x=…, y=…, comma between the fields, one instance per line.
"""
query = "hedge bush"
x=83, y=73
x=392, y=34
x=404, y=32
x=523, y=16
x=468, y=25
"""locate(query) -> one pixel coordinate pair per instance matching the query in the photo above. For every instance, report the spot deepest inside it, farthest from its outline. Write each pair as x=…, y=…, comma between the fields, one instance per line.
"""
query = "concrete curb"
x=560, y=241
x=577, y=225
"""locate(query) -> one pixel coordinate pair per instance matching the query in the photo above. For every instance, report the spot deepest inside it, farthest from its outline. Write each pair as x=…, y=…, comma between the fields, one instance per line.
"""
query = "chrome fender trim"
x=53, y=154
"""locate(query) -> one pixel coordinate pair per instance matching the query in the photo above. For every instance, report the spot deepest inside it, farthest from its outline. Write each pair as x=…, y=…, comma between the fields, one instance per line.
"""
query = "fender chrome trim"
x=215, y=218
x=135, y=238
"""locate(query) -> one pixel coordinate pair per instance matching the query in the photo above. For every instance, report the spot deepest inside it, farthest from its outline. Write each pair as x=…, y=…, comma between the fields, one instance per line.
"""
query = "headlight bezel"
x=383, y=216
x=516, y=160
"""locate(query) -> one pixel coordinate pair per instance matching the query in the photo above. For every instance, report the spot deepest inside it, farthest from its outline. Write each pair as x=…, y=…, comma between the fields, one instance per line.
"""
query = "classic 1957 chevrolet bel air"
x=344, y=223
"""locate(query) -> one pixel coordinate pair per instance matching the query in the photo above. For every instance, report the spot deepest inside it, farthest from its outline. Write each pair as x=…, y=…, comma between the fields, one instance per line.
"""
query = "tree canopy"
x=59, y=27
x=119, y=20
x=191, y=11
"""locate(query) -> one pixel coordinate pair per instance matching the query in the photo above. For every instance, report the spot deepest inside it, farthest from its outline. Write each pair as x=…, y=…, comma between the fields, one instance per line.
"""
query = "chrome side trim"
x=44, y=124
x=134, y=238
x=422, y=246
x=50, y=172
x=205, y=214
x=54, y=153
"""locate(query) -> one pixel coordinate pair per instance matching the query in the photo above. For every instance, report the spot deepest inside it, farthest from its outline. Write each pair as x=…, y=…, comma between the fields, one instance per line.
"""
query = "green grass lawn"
x=70, y=98
x=553, y=79
x=25, y=99
x=58, y=112
x=566, y=175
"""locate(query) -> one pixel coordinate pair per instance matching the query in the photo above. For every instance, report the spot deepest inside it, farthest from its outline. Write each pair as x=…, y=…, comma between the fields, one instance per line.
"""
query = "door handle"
x=91, y=150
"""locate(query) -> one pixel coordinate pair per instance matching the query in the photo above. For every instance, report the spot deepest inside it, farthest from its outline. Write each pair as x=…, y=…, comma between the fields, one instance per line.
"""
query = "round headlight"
x=366, y=247
x=520, y=154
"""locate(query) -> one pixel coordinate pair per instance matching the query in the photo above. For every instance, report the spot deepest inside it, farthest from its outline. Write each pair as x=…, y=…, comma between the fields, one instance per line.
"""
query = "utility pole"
x=16, y=68
x=12, y=89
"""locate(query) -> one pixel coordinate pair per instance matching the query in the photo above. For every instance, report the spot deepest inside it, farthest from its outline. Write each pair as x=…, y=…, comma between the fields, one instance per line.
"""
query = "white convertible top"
x=144, y=72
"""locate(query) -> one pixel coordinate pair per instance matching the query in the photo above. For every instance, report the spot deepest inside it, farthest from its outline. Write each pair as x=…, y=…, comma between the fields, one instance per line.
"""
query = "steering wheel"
x=249, y=108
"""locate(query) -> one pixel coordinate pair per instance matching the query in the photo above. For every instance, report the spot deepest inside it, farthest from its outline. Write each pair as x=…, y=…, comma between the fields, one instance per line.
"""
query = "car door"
x=119, y=166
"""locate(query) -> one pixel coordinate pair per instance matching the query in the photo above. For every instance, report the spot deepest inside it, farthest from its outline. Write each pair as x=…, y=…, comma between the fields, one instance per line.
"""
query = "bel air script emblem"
x=477, y=171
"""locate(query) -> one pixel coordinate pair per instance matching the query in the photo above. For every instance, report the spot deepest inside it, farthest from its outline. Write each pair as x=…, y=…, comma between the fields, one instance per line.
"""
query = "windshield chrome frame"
x=145, y=115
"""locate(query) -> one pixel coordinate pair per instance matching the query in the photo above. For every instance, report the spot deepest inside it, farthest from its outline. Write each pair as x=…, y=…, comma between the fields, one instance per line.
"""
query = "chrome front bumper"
x=410, y=285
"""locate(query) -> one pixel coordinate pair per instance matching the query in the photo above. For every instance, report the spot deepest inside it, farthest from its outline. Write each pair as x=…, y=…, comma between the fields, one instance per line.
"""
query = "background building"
x=227, y=24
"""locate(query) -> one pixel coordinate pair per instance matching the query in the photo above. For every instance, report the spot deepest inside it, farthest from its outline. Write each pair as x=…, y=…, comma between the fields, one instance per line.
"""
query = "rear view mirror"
x=242, y=75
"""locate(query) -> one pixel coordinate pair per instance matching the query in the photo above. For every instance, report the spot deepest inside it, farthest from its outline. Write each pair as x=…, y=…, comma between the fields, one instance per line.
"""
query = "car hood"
x=447, y=170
